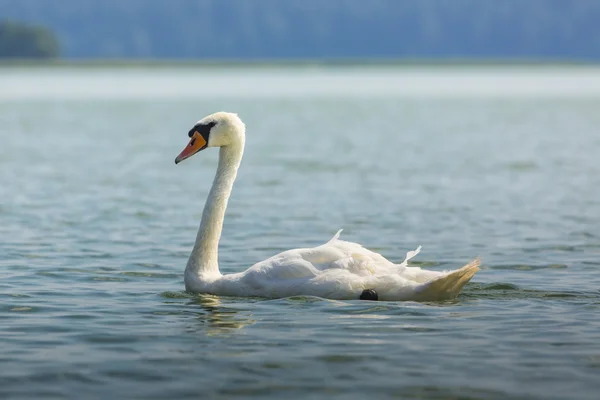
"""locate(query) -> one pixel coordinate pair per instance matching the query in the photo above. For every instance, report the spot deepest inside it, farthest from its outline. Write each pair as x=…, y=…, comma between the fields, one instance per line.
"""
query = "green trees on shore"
x=18, y=40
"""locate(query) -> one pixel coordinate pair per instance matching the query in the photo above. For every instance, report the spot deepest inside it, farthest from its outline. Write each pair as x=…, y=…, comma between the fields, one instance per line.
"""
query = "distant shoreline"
x=238, y=63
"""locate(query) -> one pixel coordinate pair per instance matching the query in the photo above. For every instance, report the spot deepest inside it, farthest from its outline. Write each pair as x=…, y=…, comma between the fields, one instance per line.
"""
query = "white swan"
x=334, y=270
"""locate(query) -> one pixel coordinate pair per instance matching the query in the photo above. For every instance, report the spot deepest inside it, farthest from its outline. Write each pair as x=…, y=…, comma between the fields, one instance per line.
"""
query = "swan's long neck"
x=204, y=260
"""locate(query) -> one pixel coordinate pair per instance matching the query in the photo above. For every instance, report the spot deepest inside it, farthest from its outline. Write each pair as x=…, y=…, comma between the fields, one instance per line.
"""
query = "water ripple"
x=96, y=231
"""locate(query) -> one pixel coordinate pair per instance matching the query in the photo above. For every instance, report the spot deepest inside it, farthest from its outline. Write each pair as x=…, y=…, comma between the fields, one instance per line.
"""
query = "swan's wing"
x=336, y=259
x=342, y=270
x=334, y=254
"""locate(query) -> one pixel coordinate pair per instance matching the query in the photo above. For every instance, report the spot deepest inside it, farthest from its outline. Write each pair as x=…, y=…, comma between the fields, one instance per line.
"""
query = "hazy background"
x=316, y=29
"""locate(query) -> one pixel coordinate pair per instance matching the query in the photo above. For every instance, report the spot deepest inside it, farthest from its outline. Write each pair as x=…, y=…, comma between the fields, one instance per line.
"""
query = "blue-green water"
x=96, y=224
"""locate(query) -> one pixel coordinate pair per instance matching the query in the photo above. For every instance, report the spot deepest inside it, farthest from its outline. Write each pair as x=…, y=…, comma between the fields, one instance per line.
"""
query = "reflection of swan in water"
x=219, y=319
x=334, y=270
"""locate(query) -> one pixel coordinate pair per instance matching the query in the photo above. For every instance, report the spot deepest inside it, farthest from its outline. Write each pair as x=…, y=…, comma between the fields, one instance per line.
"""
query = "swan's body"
x=334, y=270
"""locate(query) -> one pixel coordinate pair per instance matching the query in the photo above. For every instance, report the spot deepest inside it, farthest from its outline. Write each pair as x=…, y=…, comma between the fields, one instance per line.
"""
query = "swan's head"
x=215, y=130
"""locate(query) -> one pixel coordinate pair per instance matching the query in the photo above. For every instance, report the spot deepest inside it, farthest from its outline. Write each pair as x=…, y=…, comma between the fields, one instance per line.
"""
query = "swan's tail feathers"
x=448, y=286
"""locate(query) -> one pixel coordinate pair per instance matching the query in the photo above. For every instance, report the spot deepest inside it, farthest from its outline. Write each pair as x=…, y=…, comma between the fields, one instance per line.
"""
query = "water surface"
x=96, y=223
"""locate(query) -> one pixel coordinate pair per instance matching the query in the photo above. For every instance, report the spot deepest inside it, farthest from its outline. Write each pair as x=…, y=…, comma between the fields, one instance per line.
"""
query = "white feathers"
x=336, y=236
x=411, y=254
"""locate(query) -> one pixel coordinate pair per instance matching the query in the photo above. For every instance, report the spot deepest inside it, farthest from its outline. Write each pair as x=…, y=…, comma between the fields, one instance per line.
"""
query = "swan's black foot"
x=369, y=294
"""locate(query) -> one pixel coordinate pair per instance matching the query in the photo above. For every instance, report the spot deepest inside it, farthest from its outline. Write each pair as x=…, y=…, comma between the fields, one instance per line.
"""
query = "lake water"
x=97, y=222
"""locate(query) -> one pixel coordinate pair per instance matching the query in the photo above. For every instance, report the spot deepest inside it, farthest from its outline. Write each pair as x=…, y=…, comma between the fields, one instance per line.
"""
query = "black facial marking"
x=369, y=294
x=203, y=129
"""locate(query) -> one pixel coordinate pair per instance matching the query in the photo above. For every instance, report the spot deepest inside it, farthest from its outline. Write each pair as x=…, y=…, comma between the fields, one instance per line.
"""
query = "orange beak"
x=197, y=143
